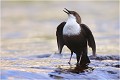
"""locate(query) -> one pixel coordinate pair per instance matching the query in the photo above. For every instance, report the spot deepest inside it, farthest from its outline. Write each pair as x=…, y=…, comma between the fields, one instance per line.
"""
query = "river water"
x=28, y=30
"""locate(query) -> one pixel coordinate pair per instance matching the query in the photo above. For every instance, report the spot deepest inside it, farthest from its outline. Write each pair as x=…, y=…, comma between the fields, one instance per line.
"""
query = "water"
x=28, y=29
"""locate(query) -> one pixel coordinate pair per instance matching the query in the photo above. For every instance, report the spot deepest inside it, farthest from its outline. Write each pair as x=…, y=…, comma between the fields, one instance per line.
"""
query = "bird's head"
x=73, y=14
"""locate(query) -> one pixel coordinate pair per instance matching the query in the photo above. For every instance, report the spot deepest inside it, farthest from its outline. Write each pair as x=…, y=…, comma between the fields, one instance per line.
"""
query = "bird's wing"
x=59, y=34
x=90, y=38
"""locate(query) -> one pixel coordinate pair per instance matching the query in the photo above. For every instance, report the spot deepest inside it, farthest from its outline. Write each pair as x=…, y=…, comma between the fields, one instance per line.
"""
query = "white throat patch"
x=71, y=27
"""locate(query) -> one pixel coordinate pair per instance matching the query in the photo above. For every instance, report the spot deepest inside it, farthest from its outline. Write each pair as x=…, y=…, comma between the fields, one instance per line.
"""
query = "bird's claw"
x=69, y=63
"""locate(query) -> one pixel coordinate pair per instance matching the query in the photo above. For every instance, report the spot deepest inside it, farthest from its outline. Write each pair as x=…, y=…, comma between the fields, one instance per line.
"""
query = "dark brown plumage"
x=77, y=43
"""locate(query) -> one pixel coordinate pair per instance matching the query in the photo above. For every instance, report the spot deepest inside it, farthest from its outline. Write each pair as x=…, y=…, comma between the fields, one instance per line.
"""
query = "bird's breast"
x=71, y=28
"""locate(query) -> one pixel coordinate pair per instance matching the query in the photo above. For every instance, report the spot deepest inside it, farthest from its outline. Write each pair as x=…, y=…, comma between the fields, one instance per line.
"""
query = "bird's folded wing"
x=90, y=38
x=59, y=34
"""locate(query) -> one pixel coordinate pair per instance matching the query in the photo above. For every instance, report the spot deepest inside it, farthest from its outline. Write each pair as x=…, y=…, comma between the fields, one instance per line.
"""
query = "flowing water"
x=28, y=40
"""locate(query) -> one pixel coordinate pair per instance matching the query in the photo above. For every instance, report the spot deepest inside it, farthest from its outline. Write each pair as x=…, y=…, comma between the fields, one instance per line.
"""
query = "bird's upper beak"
x=66, y=11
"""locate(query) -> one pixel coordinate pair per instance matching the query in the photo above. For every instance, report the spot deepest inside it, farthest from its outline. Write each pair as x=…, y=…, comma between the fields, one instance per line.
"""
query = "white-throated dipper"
x=76, y=36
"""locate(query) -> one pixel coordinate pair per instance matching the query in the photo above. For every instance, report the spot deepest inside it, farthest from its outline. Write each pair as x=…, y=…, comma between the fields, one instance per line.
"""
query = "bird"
x=76, y=36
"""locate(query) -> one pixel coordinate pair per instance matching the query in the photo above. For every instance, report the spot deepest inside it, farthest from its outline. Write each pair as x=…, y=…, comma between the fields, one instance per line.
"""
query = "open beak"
x=66, y=11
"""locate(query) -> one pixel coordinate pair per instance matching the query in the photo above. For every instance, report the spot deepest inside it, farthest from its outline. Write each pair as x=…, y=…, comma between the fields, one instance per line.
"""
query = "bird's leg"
x=85, y=59
x=78, y=59
x=79, y=56
x=70, y=58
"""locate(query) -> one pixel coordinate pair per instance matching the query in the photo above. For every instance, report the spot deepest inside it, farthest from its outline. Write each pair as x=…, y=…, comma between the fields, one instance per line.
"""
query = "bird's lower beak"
x=66, y=11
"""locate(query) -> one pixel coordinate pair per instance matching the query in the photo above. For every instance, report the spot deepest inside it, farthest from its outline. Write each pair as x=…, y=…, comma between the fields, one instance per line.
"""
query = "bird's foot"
x=84, y=66
x=79, y=69
x=69, y=64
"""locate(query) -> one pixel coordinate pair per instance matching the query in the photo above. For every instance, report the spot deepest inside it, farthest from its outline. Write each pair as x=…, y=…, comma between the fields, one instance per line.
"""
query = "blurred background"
x=29, y=27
